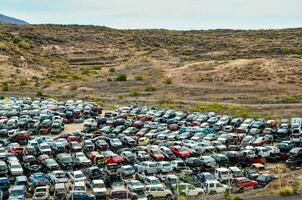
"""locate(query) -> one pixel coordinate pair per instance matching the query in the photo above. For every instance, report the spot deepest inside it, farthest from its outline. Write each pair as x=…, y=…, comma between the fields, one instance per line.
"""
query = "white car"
x=58, y=176
x=79, y=187
x=164, y=166
x=215, y=187
x=147, y=167
x=153, y=192
x=15, y=168
x=190, y=190
x=153, y=181
x=98, y=188
x=77, y=176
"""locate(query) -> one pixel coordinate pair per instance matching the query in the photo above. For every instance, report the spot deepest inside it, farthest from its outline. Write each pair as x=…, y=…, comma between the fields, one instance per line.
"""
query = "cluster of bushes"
x=22, y=42
x=68, y=76
x=292, y=190
x=234, y=110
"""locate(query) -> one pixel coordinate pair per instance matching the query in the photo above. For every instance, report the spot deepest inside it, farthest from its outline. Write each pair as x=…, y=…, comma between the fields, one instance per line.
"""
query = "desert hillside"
x=250, y=66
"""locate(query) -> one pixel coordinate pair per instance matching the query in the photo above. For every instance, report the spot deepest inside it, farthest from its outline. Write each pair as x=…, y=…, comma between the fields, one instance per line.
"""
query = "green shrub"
x=139, y=78
x=121, y=77
x=96, y=67
x=23, y=82
x=112, y=70
x=5, y=87
x=3, y=46
x=168, y=81
x=109, y=79
x=134, y=93
x=285, y=192
x=295, y=186
x=237, y=198
x=74, y=76
x=17, y=39
x=227, y=195
x=24, y=44
x=39, y=94
x=150, y=89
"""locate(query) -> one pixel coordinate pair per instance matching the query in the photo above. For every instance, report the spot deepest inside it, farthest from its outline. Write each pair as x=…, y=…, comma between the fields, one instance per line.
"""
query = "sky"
x=167, y=14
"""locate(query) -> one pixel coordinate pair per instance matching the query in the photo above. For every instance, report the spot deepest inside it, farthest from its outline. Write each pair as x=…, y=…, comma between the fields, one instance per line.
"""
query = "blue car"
x=4, y=186
x=38, y=179
x=18, y=192
x=21, y=180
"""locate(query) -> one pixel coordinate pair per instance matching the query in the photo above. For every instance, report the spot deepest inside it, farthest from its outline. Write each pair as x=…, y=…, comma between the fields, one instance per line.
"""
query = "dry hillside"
x=251, y=66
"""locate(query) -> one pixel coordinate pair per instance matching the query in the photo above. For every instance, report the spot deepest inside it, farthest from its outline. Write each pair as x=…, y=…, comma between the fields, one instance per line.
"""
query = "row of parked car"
x=136, y=152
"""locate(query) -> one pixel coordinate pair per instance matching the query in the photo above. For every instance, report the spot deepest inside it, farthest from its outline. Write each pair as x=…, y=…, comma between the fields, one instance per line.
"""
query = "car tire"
x=150, y=197
x=241, y=190
x=168, y=196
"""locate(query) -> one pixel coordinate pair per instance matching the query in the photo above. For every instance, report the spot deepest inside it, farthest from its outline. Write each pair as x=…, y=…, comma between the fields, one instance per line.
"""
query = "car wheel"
x=149, y=197
x=241, y=190
x=168, y=196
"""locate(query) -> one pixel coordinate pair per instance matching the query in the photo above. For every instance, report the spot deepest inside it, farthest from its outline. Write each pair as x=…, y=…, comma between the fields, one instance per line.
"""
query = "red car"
x=241, y=184
x=142, y=132
x=260, y=141
x=173, y=127
x=180, y=152
x=16, y=150
x=21, y=136
x=114, y=158
x=42, y=157
x=45, y=130
x=156, y=154
x=75, y=147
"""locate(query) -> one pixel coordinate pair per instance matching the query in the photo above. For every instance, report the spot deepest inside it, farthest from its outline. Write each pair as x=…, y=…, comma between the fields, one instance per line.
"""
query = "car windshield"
x=155, y=181
x=209, y=177
x=152, y=165
x=17, y=192
x=60, y=175
x=67, y=159
x=99, y=185
x=15, y=165
x=79, y=175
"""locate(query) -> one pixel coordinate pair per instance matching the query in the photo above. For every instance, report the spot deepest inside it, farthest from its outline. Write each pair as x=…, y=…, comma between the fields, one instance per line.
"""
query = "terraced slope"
x=251, y=66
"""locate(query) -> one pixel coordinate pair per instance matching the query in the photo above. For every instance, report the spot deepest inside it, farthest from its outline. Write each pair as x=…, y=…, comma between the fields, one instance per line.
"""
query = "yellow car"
x=143, y=141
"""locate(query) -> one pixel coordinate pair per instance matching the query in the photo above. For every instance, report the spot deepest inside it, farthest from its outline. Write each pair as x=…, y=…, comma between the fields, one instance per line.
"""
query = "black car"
x=31, y=164
x=294, y=158
x=49, y=165
x=101, y=145
x=65, y=161
x=195, y=164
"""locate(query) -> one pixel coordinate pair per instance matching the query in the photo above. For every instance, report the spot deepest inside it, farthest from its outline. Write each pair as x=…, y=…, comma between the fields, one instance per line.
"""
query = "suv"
x=157, y=192
x=215, y=187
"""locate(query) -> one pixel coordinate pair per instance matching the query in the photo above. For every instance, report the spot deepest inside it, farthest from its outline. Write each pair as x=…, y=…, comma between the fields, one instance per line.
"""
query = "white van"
x=215, y=187
x=236, y=172
x=222, y=174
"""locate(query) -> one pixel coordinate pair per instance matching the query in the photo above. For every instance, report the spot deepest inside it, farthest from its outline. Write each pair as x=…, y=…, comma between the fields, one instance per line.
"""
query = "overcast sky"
x=169, y=14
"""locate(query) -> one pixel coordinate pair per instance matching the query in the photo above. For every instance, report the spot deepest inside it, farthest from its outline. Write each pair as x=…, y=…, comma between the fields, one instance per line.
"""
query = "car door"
x=219, y=188
x=160, y=192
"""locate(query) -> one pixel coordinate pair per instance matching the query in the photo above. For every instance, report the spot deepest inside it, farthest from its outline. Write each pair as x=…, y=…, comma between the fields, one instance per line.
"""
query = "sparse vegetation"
x=139, y=78
x=3, y=46
x=23, y=82
x=121, y=77
x=134, y=93
x=5, y=87
x=39, y=94
x=168, y=81
x=150, y=89
x=112, y=70
x=24, y=44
